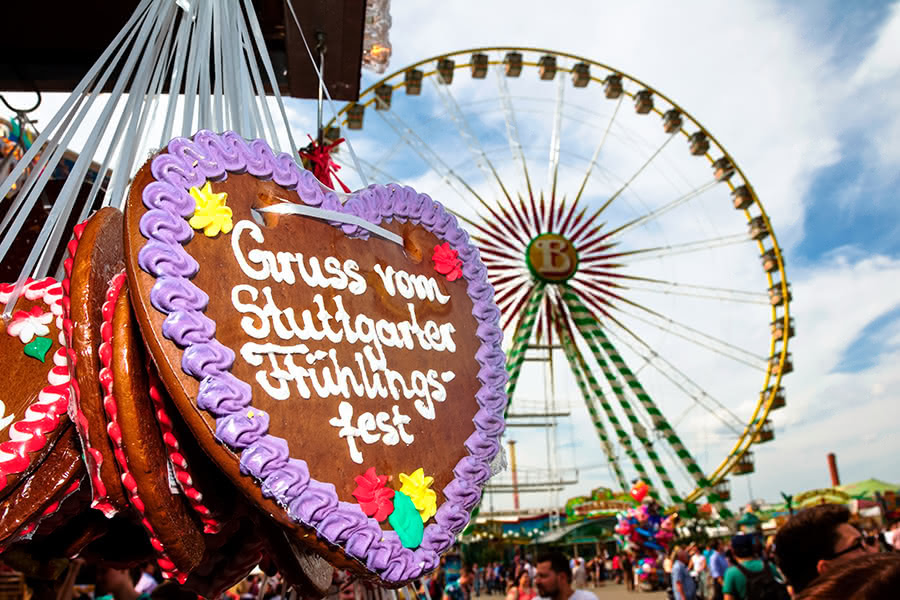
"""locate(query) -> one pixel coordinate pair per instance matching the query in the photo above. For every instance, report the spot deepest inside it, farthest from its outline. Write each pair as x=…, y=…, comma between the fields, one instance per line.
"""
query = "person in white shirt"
x=553, y=579
x=147, y=582
x=580, y=574
x=529, y=568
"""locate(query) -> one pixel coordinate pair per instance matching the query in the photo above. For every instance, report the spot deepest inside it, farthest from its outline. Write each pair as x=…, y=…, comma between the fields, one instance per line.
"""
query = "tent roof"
x=589, y=530
x=749, y=519
x=868, y=487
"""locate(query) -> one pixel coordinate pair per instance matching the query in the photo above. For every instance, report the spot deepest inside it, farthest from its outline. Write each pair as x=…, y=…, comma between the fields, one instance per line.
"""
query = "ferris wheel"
x=633, y=263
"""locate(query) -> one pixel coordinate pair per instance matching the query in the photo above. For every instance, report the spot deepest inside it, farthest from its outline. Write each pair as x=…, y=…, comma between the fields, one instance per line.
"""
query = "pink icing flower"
x=28, y=324
x=446, y=261
x=374, y=498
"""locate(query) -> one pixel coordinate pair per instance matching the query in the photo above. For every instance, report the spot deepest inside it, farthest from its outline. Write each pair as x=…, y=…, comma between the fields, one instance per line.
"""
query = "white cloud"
x=874, y=97
x=882, y=61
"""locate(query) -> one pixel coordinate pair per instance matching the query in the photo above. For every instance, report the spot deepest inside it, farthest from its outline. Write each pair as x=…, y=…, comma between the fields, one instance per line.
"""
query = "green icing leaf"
x=38, y=347
x=406, y=521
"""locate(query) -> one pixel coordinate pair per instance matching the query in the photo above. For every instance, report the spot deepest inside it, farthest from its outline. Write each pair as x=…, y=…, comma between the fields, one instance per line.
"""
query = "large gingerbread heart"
x=349, y=379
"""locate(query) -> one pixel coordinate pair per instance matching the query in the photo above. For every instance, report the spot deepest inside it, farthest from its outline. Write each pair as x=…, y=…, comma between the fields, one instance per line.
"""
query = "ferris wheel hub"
x=552, y=258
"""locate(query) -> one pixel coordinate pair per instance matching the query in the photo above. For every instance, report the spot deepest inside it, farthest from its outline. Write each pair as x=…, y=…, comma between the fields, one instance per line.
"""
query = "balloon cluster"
x=646, y=567
x=643, y=530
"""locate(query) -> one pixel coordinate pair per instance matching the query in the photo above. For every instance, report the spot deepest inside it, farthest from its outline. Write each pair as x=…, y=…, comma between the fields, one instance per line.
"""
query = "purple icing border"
x=208, y=156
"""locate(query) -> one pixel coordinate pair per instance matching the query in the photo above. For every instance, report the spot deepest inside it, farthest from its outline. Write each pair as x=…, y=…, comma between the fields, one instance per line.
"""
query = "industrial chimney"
x=832, y=467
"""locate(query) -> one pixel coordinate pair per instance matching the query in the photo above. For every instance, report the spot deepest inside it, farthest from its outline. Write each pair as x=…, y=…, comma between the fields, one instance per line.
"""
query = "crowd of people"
x=816, y=555
x=551, y=575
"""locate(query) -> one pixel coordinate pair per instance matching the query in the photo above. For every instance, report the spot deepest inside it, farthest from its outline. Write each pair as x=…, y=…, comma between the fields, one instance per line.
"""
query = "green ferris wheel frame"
x=758, y=428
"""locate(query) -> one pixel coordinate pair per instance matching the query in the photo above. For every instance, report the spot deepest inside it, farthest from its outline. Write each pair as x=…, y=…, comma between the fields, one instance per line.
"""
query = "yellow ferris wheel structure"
x=600, y=263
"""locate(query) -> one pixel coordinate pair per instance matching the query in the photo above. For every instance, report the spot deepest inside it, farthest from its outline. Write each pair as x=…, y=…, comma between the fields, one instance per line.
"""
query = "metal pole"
x=320, y=48
x=515, y=475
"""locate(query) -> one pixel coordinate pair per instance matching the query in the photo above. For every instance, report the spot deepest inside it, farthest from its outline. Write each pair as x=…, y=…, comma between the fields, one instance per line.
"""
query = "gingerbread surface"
x=355, y=381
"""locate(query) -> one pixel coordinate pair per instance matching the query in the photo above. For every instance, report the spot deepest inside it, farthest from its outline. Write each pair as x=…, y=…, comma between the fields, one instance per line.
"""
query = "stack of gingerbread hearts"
x=255, y=369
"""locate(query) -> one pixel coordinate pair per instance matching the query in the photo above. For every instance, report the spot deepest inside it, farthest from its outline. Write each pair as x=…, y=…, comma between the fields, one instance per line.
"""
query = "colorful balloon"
x=639, y=491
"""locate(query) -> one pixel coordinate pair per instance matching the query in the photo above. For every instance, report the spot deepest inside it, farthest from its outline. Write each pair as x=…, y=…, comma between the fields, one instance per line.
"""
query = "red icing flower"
x=446, y=261
x=375, y=500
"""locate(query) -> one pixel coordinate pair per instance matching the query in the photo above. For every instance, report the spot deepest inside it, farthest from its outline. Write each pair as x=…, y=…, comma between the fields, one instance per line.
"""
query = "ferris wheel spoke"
x=462, y=124
x=514, y=279
x=504, y=224
x=584, y=229
x=512, y=306
x=690, y=286
x=640, y=431
x=640, y=170
x=426, y=153
x=572, y=219
x=758, y=362
x=590, y=394
x=687, y=385
x=516, y=355
x=594, y=243
x=583, y=318
x=658, y=212
x=494, y=251
x=746, y=358
x=512, y=127
x=762, y=299
x=555, y=138
x=596, y=154
x=682, y=248
x=373, y=169
x=507, y=235
x=384, y=157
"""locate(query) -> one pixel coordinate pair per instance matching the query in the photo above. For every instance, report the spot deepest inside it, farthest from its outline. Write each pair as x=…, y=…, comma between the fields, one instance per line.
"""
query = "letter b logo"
x=552, y=258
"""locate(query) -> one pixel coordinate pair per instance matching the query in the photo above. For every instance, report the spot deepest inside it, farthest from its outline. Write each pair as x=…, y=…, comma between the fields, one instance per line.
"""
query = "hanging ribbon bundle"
x=163, y=46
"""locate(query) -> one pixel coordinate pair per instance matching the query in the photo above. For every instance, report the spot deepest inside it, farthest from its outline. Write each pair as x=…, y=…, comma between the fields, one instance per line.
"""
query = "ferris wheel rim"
x=774, y=369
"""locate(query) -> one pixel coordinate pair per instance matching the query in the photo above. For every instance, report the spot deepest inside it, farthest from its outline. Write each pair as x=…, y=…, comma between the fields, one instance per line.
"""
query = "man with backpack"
x=751, y=578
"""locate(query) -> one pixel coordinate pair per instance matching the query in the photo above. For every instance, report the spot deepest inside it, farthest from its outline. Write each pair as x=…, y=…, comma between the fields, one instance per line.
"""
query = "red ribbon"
x=323, y=167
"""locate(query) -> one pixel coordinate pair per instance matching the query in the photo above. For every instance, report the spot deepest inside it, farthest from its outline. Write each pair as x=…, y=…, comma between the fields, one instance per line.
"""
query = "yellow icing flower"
x=416, y=487
x=210, y=214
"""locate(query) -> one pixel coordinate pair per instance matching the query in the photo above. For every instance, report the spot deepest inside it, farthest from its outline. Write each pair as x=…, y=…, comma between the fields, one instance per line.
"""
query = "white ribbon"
x=290, y=208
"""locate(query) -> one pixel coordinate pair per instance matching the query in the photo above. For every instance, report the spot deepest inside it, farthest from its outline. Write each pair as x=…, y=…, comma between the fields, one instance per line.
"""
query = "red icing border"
x=92, y=457
x=29, y=434
x=115, y=432
x=180, y=465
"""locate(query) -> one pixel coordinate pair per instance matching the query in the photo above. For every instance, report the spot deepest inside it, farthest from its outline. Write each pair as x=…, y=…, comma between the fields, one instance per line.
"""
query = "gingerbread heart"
x=95, y=258
x=36, y=394
x=341, y=363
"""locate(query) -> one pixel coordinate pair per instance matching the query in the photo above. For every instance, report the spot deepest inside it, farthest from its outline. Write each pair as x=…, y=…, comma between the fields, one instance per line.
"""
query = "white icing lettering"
x=255, y=233
x=288, y=367
x=260, y=264
x=422, y=287
x=392, y=431
x=399, y=421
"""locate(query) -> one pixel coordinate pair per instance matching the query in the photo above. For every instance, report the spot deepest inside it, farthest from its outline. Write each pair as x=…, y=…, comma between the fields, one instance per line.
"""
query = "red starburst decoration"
x=317, y=158
x=374, y=498
x=446, y=261
x=503, y=236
